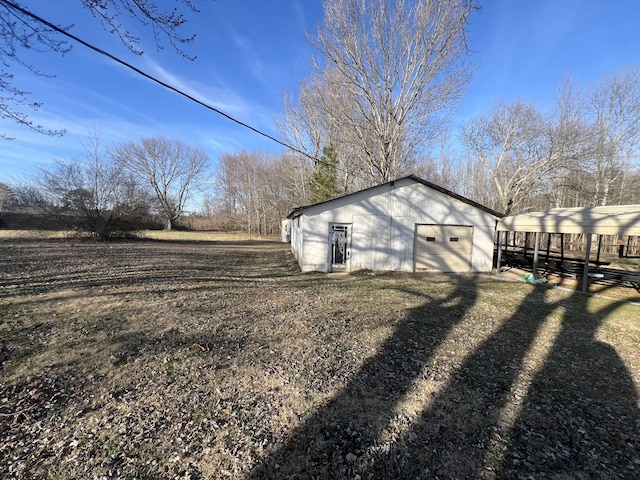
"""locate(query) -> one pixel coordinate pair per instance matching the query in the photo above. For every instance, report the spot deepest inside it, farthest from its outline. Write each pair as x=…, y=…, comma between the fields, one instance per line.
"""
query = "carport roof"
x=607, y=220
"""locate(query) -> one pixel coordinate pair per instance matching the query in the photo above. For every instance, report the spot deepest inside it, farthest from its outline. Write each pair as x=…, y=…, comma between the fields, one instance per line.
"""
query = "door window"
x=339, y=244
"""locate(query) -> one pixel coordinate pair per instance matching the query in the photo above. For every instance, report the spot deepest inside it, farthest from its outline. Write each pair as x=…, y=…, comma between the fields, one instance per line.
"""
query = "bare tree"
x=255, y=191
x=93, y=193
x=605, y=121
x=21, y=32
x=308, y=124
x=238, y=184
x=6, y=197
x=507, y=143
x=281, y=190
x=303, y=124
x=172, y=169
x=226, y=200
x=614, y=106
x=570, y=142
x=390, y=73
x=585, y=152
x=525, y=151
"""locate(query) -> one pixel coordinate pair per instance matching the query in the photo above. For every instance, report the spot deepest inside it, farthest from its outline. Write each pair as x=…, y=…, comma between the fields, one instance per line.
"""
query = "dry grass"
x=164, y=235
x=149, y=359
x=33, y=234
x=202, y=236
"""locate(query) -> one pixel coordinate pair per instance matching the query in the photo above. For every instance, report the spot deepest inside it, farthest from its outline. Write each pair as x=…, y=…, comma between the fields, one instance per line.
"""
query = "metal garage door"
x=443, y=248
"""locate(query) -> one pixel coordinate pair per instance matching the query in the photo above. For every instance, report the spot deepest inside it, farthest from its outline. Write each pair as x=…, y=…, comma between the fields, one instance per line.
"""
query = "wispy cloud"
x=300, y=16
x=91, y=92
x=222, y=97
x=251, y=56
x=219, y=97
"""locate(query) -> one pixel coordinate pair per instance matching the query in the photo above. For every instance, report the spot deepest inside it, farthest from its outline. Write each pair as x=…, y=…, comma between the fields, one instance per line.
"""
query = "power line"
x=50, y=25
x=61, y=31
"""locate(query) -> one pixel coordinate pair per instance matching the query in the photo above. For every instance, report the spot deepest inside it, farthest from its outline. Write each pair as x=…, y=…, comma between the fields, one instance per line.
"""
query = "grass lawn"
x=218, y=359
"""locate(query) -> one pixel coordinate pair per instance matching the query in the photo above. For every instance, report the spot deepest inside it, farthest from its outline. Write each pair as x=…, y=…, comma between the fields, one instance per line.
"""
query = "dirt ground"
x=219, y=359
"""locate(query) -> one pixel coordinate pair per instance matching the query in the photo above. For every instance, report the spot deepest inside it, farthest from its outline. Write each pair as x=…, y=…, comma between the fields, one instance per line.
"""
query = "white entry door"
x=339, y=246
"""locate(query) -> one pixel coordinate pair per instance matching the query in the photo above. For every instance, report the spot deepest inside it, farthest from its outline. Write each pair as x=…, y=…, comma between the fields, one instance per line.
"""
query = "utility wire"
x=50, y=25
x=61, y=31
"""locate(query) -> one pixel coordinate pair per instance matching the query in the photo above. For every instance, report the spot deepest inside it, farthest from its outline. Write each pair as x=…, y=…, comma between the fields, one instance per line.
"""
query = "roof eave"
x=296, y=212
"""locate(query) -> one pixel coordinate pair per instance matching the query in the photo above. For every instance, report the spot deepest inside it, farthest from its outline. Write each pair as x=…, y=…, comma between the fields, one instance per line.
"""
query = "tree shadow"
x=573, y=414
x=577, y=417
x=580, y=417
x=454, y=434
x=352, y=421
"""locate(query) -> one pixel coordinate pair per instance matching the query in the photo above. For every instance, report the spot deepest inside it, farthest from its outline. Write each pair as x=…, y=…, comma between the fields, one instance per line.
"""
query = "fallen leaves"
x=178, y=360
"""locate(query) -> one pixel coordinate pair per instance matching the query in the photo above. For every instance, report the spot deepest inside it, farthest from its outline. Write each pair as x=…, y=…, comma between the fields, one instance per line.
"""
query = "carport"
x=589, y=221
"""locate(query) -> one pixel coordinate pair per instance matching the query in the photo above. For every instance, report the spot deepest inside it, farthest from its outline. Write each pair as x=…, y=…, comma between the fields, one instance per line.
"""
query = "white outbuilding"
x=407, y=225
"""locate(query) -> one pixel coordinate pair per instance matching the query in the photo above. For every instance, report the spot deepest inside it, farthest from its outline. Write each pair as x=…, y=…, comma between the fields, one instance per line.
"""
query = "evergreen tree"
x=324, y=182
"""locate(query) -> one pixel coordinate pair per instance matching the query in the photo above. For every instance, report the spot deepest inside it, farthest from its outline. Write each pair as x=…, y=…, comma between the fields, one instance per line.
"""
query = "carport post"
x=585, y=272
x=498, y=260
x=548, y=245
x=535, y=255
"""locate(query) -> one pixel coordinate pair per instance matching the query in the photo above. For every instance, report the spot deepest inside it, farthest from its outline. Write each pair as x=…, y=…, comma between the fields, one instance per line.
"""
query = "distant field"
x=33, y=234
x=172, y=235
x=204, y=236
x=217, y=358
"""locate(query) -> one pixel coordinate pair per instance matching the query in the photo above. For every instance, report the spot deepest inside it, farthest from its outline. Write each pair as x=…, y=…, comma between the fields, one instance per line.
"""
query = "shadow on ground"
x=574, y=416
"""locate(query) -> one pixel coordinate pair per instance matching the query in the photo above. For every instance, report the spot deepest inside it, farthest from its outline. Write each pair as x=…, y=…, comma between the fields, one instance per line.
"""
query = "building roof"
x=607, y=220
x=296, y=212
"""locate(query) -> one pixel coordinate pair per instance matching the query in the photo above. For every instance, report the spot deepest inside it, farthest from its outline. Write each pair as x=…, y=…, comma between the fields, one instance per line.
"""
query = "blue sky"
x=250, y=52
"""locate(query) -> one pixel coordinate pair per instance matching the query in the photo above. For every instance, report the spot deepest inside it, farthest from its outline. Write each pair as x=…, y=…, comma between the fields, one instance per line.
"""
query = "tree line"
x=582, y=151
x=382, y=92
x=516, y=158
x=377, y=105
x=113, y=191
